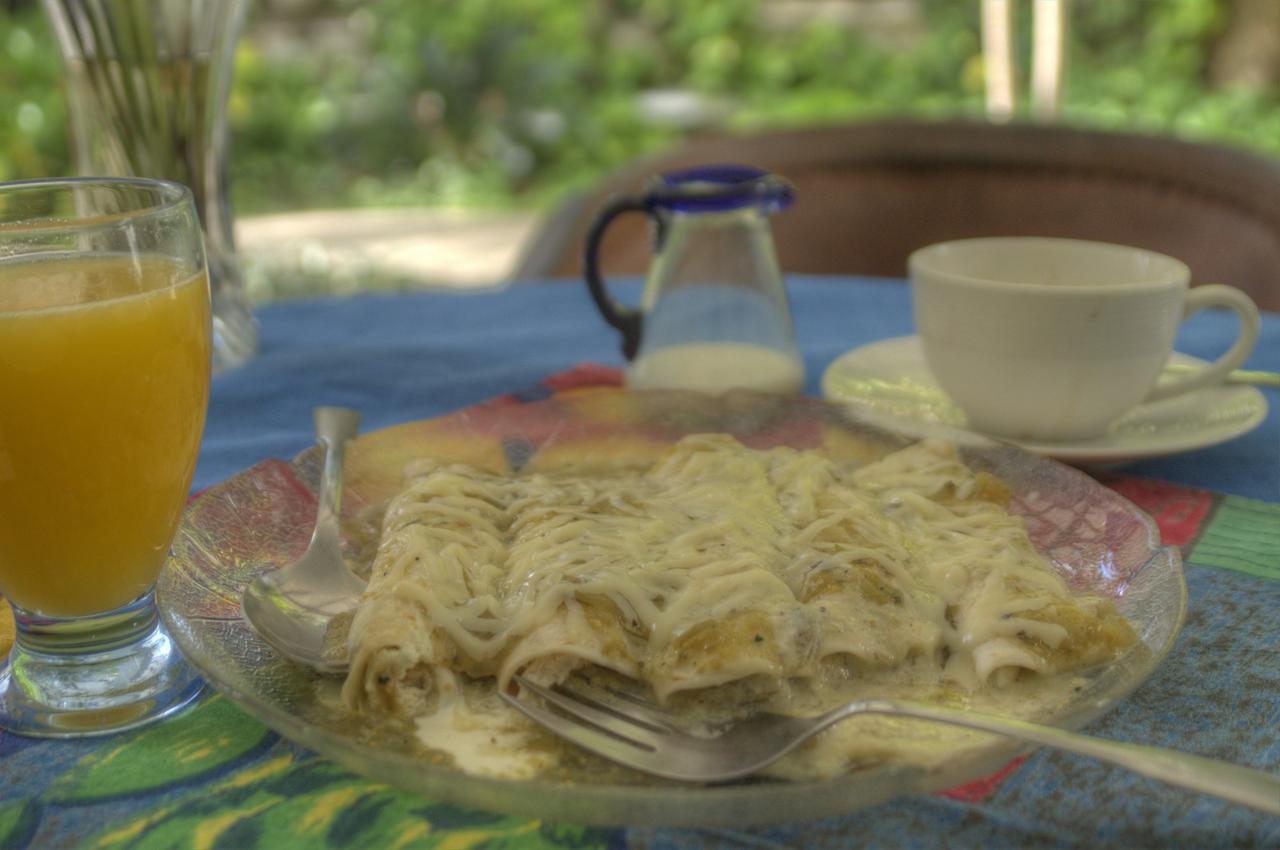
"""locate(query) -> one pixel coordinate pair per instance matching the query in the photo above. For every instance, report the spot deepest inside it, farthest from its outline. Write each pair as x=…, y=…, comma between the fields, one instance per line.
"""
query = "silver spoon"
x=293, y=608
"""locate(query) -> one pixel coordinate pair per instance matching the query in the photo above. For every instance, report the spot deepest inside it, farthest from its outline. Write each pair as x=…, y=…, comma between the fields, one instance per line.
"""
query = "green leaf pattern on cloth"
x=221, y=780
x=310, y=803
x=17, y=822
x=1244, y=536
x=212, y=735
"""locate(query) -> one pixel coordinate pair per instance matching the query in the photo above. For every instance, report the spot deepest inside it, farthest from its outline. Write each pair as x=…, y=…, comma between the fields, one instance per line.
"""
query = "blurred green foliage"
x=33, y=125
x=493, y=102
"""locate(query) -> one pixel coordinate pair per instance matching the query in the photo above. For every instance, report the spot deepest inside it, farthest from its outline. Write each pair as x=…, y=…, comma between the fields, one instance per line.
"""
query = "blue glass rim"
x=720, y=188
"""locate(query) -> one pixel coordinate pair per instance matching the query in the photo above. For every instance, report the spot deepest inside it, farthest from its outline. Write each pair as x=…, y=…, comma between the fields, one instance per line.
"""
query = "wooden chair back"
x=869, y=194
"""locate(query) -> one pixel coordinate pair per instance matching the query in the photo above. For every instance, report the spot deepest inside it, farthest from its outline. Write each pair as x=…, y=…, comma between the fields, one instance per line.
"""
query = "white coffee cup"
x=1053, y=339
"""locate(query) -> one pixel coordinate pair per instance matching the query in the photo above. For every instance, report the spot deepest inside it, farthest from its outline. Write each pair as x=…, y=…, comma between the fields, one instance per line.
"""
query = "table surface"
x=399, y=357
x=214, y=777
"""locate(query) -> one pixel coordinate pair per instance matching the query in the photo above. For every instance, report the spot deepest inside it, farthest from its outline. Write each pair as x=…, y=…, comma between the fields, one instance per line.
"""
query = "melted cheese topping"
x=721, y=576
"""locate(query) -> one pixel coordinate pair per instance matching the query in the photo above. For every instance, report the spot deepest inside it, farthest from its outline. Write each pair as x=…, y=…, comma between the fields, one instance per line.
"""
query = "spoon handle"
x=334, y=426
x=1257, y=377
x=1253, y=376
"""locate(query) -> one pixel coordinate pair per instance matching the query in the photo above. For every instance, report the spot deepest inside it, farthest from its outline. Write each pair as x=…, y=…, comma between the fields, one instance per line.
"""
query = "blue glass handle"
x=628, y=320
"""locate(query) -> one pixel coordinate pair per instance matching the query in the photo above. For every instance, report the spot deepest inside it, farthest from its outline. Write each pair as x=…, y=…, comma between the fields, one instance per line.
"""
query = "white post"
x=997, y=58
x=1048, y=57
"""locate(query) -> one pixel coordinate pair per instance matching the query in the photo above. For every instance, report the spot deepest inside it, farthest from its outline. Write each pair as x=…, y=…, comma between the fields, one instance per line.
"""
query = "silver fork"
x=632, y=731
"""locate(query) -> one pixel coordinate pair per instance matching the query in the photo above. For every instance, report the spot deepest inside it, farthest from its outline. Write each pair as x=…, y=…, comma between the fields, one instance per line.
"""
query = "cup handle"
x=1203, y=297
x=627, y=320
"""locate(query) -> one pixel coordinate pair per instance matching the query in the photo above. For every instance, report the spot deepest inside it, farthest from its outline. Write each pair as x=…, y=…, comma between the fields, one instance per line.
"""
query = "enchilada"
x=717, y=575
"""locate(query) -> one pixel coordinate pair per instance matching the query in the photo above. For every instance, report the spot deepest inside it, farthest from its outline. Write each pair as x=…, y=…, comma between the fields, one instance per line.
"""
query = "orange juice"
x=104, y=380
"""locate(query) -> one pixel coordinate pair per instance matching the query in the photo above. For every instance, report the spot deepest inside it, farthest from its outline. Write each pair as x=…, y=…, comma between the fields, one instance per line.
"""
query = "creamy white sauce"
x=492, y=742
x=719, y=566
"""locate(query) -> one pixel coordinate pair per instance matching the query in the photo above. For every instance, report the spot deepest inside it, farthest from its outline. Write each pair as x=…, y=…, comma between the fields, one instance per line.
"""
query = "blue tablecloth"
x=215, y=778
x=400, y=357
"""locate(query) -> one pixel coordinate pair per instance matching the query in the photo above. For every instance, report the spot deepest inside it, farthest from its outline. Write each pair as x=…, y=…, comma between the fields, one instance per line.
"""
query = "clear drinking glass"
x=105, y=336
x=147, y=87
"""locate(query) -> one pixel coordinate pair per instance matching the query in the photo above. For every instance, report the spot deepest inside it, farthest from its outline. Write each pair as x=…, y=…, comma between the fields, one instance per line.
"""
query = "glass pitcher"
x=714, y=314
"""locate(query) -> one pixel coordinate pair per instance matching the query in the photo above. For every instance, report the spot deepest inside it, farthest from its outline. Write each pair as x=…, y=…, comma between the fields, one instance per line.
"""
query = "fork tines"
x=622, y=717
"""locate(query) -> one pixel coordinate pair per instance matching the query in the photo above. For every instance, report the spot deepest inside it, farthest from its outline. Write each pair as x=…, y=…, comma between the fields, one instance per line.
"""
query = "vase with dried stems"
x=147, y=87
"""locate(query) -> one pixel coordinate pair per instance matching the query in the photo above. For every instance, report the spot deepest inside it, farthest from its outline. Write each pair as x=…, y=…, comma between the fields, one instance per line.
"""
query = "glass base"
x=235, y=334
x=92, y=675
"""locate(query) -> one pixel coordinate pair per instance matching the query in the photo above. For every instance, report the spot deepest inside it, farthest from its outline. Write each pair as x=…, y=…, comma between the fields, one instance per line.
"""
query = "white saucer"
x=890, y=379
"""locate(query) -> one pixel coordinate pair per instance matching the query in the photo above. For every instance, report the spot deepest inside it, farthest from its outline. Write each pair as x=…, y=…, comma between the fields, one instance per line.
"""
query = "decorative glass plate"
x=261, y=519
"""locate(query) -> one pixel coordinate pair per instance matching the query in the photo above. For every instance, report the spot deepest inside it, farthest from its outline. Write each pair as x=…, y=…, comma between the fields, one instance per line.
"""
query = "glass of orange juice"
x=104, y=380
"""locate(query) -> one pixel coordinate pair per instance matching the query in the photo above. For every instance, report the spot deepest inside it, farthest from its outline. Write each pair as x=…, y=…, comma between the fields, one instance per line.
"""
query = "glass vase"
x=147, y=86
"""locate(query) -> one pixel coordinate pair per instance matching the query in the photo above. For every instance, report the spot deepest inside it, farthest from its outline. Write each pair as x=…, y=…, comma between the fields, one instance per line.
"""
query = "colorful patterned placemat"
x=217, y=778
